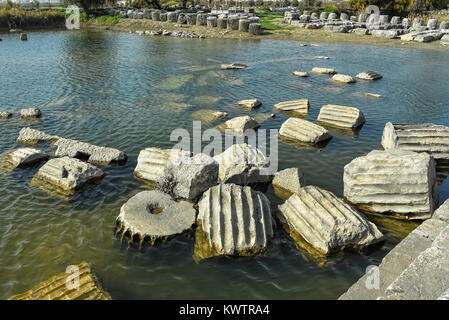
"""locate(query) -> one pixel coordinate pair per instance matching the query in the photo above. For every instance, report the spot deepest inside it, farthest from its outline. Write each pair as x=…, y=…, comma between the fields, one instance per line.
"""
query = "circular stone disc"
x=155, y=214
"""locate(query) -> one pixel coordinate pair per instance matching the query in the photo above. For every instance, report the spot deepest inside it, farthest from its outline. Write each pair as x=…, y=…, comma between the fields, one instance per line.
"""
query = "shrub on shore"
x=17, y=17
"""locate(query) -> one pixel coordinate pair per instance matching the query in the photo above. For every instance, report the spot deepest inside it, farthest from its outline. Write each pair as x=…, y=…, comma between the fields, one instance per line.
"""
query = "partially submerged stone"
x=233, y=66
x=394, y=182
x=240, y=124
x=325, y=222
x=154, y=215
x=372, y=95
x=232, y=220
x=324, y=71
x=322, y=57
x=301, y=74
x=288, y=180
x=341, y=116
x=33, y=112
x=5, y=114
x=369, y=75
x=56, y=288
x=250, y=103
x=90, y=152
x=208, y=115
x=427, y=137
x=300, y=106
x=304, y=131
x=66, y=173
x=342, y=78
x=243, y=164
x=26, y=156
x=33, y=136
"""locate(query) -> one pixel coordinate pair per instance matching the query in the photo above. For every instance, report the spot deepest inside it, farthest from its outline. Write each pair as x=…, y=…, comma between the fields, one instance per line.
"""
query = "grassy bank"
x=272, y=20
x=18, y=18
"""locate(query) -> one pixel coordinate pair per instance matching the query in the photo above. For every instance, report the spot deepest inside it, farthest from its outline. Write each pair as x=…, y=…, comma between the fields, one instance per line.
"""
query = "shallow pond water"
x=129, y=92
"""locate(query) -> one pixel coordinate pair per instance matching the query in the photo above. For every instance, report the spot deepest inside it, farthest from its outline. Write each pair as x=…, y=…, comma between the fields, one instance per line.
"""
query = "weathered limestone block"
x=406, y=23
x=314, y=16
x=400, y=257
x=32, y=136
x=445, y=40
x=240, y=124
x=304, y=131
x=430, y=138
x=154, y=164
x=250, y=103
x=426, y=278
x=332, y=16
x=395, y=182
x=233, y=22
x=163, y=16
x=154, y=215
x=212, y=22
x=369, y=75
x=444, y=296
x=323, y=71
x=33, y=112
x=432, y=24
x=146, y=13
x=302, y=74
x=5, y=114
x=68, y=174
x=395, y=20
x=232, y=220
x=353, y=18
x=383, y=18
x=243, y=25
x=191, y=18
x=254, y=20
x=233, y=66
x=417, y=22
x=300, y=106
x=26, y=156
x=342, y=78
x=289, y=180
x=182, y=18
x=255, y=28
x=156, y=16
x=222, y=22
x=243, y=164
x=93, y=153
x=172, y=17
x=304, y=18
x=444, y=25
x=201, y=19
x=325, y=222
x=344, y=16
x=341, y=116
x=193, y=176
x=56, y=288
x=362, y=18
x=323, y=16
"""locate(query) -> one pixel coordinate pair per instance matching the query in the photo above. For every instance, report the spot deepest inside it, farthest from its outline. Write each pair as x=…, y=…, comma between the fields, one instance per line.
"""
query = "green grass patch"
x=107, y=20
x=272, y=20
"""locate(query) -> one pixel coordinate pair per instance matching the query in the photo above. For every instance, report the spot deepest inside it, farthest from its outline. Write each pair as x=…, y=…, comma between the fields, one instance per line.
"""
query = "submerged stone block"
x=300, y=106
x=304, y=131
x=341, y=116
x=26, y=156
x=325, y=222
x=369, y=75
x=240, y=124
x=393, y=182
x=232, y=220
x=56, y=287
x=323, y=71
x=289, y=180
x=250, y=103
x=33, y=112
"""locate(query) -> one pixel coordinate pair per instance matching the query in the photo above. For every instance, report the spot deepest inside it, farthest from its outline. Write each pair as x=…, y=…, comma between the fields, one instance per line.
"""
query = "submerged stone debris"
x=234, y=66
x=56, y=287
x=300, y=106
x=394, y=182
x=341, y=116
x=33, y=112
x=232, y=220
x=325, y=222
x=250, y=103
x=288, y=181
x=240, y=124
x=26, y=156
x=154, y=215
x=304, y=131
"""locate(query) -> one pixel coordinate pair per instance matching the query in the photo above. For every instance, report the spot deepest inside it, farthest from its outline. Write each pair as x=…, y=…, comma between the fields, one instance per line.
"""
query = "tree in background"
x=295, y=3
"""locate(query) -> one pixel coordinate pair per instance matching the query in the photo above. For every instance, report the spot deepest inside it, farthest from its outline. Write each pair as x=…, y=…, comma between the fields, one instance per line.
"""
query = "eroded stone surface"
x=67, y=173
x=326, y=222
x=233, y=66
x=243, y=164
x=300, y=106
x=5, y=114
x=342, y=78
x=369, y=75
x=33, y=112
x=289, y=180
x=55, y=288
x=304, y=131
x=430, y=138
x=233, y=220
x=323, y=71
x=301, y=74
x=341, y=116
x=29, y=135
x=240, y=124
x=392, y=182
x=155, y=215
x=26, y=156
x=250, y=103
